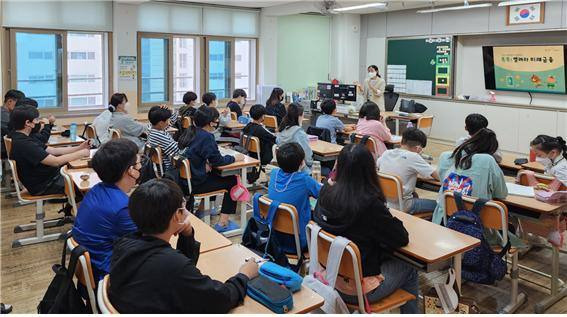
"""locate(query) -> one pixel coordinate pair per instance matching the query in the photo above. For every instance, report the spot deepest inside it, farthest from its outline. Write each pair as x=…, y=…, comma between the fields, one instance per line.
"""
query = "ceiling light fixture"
x=362, y=6
x=511, y=3
x=463, y=7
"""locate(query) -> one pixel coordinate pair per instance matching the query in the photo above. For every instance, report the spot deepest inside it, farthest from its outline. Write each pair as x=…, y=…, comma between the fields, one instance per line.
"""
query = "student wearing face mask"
x=38, y=165
x=120, y=120
x=552, y=153
x=201, y=149
x=275, y=106
x=238, y=101
x=373, y=88
x=103, y=215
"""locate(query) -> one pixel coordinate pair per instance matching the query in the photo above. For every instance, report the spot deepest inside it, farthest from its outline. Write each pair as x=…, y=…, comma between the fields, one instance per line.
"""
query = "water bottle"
x=316, y=171
x=410, y=125
x=73, y=132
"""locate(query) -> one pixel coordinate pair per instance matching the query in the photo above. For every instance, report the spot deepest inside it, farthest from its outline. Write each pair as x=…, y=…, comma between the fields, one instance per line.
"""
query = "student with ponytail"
x=120, y=120
x=291, y=131
x=552, y=153
x=201, y=149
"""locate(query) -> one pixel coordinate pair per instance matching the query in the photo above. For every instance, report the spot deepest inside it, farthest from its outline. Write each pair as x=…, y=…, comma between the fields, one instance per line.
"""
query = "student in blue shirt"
x=290, y=185
x=103, y=214
x=203, y=152
x=328, y=121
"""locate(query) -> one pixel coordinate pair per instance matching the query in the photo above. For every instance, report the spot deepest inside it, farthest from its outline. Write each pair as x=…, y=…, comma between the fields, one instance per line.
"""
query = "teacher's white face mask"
x=371, y=74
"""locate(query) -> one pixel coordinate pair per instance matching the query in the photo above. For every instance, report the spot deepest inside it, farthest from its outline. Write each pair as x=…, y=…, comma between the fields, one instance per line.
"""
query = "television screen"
x=525, y=68
x=325, y=90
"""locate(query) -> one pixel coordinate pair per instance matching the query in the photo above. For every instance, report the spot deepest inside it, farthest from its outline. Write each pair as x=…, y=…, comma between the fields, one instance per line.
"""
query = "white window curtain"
x=169, y=18
x=230, y=22
x=80, y=15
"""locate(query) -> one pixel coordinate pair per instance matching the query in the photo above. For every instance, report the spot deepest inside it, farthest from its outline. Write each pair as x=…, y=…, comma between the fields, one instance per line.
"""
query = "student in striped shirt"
x=159, y=117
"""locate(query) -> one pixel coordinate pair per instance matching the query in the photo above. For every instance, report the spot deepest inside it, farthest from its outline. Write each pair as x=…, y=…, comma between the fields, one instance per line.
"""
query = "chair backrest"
x=522, y=179
x=494, y=214
x=350, y=266
x=392, y=188
x=253, y=146
x=233, y=116
x=102, y=297
x=114, y=133
x=271, y=122
x=186, y=122
x=285, y=221
x=84, y=273
x=16, y=178
x=90, y=132
x=322, y=133
x=425, y=122
x=155, y=154
x=8, y=145
x=69, y=188
x=370, y=144
x=184, y=167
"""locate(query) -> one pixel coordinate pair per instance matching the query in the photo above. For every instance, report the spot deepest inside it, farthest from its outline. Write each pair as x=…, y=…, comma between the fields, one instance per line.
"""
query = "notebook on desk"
x=520, y=190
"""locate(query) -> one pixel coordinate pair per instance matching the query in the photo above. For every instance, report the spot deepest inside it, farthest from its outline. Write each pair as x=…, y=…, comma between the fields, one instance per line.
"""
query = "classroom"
x=283, y=157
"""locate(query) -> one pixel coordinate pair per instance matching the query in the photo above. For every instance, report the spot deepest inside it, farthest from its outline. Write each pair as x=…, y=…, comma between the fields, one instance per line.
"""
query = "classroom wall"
x=303, y=51
x=515, y=125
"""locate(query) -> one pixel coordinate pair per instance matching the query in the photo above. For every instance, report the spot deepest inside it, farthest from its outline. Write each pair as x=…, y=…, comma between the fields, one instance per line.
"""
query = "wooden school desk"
x=534, y=166
x=210, y=239
x=59, y=140
x=82, y=163
x=237, y=168
x=431, y=245
x=221, y=264
x=84, y=186
x=325, y=151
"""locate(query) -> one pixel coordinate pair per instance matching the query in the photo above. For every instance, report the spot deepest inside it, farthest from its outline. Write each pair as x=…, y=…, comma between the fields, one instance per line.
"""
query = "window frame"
x=63, y=110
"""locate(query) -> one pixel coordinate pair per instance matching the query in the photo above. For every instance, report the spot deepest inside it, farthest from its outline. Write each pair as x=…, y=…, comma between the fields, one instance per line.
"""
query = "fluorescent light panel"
x=362, y=6
x=511, y=3
x=472, y=6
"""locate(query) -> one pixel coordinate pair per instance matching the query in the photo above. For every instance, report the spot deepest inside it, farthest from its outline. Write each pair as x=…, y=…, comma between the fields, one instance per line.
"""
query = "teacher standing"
x=373, y=88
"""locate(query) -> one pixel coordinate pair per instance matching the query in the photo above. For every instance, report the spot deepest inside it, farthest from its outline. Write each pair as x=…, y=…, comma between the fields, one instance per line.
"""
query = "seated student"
x=473, y=123
x=471, y=170
x=238, y=101
x=371, y=123
x=274, y=105
x=291, y=131
x=407, y=163
x=103, y=214
x=353, y=206
x=290, y=185
x=10, y=100
x=328, y=121
x=552, y=154
x=43, y=135
x=210, y=100
x=190, y=104
x=129, y=128
x=257, y=129
x=102, y=122
x=203, y=152
x=38, y=165
x=159, y=117
x=148, y=276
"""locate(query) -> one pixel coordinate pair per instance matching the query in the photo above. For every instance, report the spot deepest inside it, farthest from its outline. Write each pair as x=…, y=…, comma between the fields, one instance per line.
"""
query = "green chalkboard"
x=420, y=66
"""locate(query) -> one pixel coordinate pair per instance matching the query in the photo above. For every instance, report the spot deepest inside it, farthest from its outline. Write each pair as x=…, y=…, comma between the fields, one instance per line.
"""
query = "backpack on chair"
x=481, y=264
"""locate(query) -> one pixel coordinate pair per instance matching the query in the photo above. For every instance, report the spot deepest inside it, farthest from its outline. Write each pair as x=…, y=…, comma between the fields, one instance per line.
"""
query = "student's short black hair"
x=328, y=106
x=414, y=137
x=114, y=158
x=474, y=122
x=188, y=97
x=20, y=115
x=370, y=111
x=239, y=93
x=290, y=156
x=257, y=111
x=153, y=203
x=208, y=98
x=27, y=101
x=158, y=114
x=13, y=94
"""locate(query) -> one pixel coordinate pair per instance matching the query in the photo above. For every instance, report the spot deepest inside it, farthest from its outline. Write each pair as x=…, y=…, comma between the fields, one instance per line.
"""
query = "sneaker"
x=215, y=211
x=231, y=225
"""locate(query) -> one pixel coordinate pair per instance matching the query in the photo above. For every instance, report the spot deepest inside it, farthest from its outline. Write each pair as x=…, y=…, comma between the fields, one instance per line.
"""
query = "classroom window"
x=183, y=67
x=155, y=52
x=39, y=59
x=245, y=66
x=219, y=68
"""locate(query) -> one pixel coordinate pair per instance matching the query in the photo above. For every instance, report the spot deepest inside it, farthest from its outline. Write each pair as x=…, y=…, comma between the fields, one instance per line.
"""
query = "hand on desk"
x=85, y=152
x=85, y=145
x=239, y=157
x=250, y=269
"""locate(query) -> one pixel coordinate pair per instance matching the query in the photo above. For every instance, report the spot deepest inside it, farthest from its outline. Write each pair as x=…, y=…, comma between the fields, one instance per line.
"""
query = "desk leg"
x=457, y=267
x=556, y=292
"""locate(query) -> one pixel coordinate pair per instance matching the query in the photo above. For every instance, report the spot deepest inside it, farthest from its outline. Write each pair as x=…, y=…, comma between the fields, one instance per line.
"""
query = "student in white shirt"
x=552, y=153
x=407, y=163
x=473, y=123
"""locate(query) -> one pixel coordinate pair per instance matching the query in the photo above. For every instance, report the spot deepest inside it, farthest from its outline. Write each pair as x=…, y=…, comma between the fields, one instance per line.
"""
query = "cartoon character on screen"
x=458, y=183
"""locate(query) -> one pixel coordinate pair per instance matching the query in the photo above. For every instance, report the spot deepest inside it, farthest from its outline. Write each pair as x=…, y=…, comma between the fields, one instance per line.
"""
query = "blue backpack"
x=481, y=264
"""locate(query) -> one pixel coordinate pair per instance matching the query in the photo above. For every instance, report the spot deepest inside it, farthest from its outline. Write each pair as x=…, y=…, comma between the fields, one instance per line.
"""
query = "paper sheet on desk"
x=519, y=190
